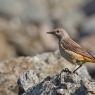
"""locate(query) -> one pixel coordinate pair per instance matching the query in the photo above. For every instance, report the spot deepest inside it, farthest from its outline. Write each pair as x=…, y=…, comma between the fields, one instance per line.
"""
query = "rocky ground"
x=29, y=72
x=64, y=83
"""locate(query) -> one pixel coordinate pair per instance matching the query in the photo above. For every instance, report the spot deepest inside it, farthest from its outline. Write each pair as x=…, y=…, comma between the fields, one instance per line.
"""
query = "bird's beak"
x=50, y=32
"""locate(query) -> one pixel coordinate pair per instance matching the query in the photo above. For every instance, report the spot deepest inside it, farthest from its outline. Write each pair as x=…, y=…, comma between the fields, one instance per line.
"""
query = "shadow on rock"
x=59, y=84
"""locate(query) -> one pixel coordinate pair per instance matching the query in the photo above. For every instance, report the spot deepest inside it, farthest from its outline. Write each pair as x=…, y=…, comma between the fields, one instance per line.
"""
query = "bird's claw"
x=66, y=70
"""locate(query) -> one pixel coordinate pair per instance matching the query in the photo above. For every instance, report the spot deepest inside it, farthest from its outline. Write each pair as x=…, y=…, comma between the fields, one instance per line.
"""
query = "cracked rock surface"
x=32, y=71
x=45, y=64
x=60, y=84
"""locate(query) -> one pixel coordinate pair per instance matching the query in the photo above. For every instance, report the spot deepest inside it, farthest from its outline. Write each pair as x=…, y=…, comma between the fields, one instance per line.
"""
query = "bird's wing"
x=69, y=44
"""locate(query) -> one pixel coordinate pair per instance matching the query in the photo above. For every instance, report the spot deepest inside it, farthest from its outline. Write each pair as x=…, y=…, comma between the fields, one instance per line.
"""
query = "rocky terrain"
x=31, y=71
x=64, y=83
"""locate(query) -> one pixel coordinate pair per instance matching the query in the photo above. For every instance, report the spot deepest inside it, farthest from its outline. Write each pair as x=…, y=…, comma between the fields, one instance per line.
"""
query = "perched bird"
x=70, y=50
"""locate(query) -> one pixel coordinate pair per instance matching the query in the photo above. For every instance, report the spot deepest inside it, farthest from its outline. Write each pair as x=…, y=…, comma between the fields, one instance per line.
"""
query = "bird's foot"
x=77, y=68
x=66, y=70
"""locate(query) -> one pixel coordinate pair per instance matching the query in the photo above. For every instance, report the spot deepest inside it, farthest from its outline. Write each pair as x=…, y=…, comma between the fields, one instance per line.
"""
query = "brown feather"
x=69, y=44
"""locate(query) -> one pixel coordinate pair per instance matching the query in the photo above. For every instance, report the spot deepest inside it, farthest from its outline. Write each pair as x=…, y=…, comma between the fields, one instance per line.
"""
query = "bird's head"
x=59, y=33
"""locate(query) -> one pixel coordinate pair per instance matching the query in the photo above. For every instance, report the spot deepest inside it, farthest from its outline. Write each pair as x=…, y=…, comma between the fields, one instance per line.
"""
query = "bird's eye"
x=57, y=31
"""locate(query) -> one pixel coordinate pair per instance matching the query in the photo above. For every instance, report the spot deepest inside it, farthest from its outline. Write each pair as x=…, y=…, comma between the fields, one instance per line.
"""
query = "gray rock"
x=28, y=79
x=65, y=83
x=83, y=72
x=35, y=69
x=42, y=65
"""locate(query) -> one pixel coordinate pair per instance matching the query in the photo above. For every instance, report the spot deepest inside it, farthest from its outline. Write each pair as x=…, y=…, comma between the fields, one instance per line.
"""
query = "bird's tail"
x=93, y=60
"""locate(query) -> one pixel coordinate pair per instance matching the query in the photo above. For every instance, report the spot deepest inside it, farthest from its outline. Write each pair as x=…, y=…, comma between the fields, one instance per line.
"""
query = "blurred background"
x=24, y=23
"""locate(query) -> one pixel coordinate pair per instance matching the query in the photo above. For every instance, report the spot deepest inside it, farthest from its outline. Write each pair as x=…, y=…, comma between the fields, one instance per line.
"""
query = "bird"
x=70, y=49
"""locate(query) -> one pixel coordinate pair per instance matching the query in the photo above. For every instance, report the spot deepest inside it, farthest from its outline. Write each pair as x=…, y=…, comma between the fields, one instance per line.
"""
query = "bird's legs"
x=68, y=71
x=77, y=68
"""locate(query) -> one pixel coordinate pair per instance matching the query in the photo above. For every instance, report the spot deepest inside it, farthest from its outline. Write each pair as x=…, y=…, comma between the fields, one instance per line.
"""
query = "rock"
x=91, y=69
x=45, y=64
x=83, y=71
x=32, y=78
x=65, y=84
x=37, y=67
